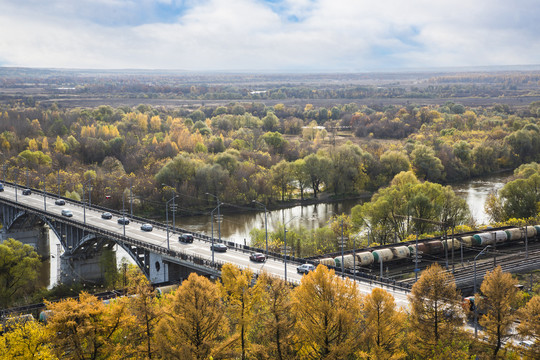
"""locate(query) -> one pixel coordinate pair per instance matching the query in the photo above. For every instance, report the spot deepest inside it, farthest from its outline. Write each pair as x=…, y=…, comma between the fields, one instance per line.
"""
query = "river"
x=236, y=226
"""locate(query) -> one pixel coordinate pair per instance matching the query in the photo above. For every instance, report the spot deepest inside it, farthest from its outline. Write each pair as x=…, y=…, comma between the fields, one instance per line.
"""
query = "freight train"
x=433, y=247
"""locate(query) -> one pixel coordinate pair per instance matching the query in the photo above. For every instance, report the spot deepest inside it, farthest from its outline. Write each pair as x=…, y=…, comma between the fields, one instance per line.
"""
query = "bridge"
x=86, y=237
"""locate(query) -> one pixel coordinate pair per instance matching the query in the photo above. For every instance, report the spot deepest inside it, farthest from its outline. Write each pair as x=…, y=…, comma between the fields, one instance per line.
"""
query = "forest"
x=262, y=317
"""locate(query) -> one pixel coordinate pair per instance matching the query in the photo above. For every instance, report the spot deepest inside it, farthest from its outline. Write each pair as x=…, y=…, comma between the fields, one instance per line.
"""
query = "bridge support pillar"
x=37, y=236
x=95, y=267
x=158, y=269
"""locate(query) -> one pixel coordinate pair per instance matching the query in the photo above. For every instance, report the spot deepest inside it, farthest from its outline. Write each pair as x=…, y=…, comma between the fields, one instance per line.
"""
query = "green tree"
x=300, y=175
x=275, y=141
x=317, y=167
x=282, y=177
x=19, y=265
x=426, y=165
x=270, y=122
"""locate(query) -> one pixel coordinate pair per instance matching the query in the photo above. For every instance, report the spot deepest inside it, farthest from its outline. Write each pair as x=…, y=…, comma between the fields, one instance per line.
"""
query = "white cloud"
x=324, y=35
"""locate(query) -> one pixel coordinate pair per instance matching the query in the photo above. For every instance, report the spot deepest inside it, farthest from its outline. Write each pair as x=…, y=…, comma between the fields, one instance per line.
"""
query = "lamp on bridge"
x=265, y=225
x=167, y=219
x=219, y=224
x=84, y=204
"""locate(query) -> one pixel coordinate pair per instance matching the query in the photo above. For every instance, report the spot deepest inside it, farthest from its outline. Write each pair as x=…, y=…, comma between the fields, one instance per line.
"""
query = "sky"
x=269, y=35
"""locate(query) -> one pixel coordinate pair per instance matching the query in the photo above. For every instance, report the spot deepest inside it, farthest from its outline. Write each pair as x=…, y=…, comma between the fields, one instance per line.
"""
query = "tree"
x=282, y=177
x=274, y=329
x=385, y=324
x=436, y=316
x=427, y=166
x=529, y=326
x=392, y=163
x=317, y=167
x=270, y=122
x=28, y=340
x=329, y=317
x=520, y=198
x=275, y=141
x=300, y=175
x=240, y=302
x=499, y=303
x=19, y=265
x=194, y=321
x=145, y=314
x=89, y=328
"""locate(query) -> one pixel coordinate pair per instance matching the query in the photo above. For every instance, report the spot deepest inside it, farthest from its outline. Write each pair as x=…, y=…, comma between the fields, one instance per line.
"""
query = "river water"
x=236, y=226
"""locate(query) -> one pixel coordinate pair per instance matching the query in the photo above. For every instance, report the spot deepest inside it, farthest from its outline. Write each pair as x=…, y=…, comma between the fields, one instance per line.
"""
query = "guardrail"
x=391, y=283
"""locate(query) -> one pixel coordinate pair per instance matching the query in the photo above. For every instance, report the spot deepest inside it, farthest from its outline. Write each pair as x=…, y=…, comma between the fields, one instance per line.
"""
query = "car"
x=257, y=257
x=106, y=215
x=59, y=202
x=1, y=187
x=218, y=247
x=27, y=192
x=146, y=227
x=67, y=213
x=186, y=238
x=123, y=221
x=305, y=268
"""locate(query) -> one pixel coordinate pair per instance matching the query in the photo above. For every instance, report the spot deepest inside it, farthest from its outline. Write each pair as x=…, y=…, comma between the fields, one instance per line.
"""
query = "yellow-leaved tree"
x=385, y=325
x=529, y=326
x=499, y=305
x=328, y=313
x=241, y=300
x=194, y=322
x=27, y=340
x=436, y=317
x=89, y=329
x=273, y=332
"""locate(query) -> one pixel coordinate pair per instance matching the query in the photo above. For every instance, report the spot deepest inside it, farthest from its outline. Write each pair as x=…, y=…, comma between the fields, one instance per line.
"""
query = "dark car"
x=218, y=247
x=59, y=202
x=305, y=268
x=123, y=221
x=66, y=212
x=106, y=215
x=27, y=192
x=1, y=187
x=146, y=227
x=186, y=238
x=257, y=257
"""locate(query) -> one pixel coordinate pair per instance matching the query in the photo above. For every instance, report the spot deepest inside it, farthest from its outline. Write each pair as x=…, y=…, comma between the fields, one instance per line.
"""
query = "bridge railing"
x=391, y=283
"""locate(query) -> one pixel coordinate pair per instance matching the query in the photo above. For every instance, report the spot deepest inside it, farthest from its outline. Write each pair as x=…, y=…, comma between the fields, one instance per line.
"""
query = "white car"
x=305, y=268
x=67, y=213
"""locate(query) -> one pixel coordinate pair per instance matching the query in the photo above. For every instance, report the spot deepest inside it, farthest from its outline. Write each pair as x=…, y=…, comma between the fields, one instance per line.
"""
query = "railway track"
x=515, y=262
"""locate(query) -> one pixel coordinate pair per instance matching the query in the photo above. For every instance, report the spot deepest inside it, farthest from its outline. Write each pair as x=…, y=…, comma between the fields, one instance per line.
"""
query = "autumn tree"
x=317, y=168
x=385, y=324
x=194, y=321
x=436, y=317
x=27, y=340
x=329, y=317
x=241, y=300
x=89, y=328
x=19, y=264
x=529, y=326
x=499, y=305
x=145, y=314
x=274, y=329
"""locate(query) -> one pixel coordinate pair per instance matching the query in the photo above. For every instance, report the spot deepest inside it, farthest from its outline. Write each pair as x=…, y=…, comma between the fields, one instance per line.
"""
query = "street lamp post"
x=131, y=196
x=218, y=215
x=285, y=244
x=123, y=214
x=212, y=219
x=84, y=203
x=15, y=182
x=476, y=302
x=167, y=218
x=265, y=224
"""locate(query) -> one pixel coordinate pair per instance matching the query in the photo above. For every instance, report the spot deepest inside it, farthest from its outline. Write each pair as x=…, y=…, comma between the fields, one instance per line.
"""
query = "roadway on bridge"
x=158, y=236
